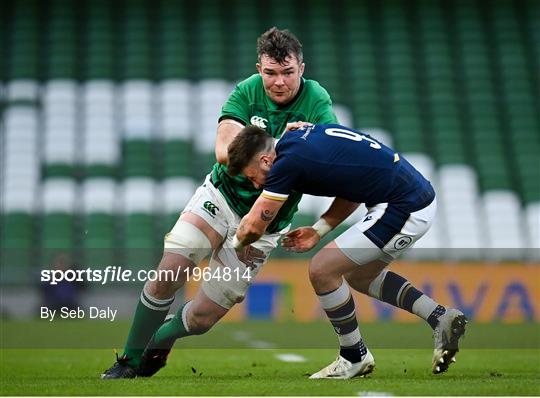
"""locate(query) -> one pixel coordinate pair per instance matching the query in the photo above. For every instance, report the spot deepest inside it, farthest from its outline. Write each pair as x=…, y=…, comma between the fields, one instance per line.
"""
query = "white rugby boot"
x=343, y=369
x=446, y=335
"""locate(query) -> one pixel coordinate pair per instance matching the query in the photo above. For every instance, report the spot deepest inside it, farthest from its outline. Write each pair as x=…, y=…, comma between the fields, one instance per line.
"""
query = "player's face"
x=281, y=81
x=257, y=171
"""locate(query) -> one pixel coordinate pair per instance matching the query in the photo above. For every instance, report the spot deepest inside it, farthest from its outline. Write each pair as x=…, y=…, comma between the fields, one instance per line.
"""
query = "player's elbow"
x=221, y=156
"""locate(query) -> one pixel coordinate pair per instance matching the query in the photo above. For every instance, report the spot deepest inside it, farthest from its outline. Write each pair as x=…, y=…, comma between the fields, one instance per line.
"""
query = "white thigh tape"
x=189, y=241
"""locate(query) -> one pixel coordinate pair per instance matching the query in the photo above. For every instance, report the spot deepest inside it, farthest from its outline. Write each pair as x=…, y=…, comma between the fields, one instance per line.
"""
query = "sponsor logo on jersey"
x=368, y=218
x=258, y=121
x=210, y=208
x=402, y=242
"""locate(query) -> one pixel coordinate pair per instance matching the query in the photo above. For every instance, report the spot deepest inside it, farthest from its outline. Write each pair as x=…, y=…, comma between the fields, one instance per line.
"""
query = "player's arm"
x=254, y=224
x=338, y=211
x=226, y=131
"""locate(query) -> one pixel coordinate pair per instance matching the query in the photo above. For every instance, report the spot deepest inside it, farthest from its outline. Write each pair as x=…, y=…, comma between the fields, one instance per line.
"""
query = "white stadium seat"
x=59, y=195
x=100, y=142
x=137, y=109
x=60, y=121
x=532, y=220
x=344, y=115
x=60, y=91
x=503, y=218
x=458, y=204
x=212, y=94
x=19, y=199
x=138, y=195
x=22, y=90
x=99, y=195
x=175, y=109
x=20, y=158
x=177, y=192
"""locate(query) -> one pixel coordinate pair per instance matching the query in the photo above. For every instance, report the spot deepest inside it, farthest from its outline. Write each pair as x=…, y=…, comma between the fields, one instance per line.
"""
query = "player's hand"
x=251, y=256
x=300, y=240
x=297, y=125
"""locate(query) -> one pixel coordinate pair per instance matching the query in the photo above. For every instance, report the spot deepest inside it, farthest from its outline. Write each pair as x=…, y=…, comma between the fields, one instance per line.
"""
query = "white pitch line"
x=290, y=358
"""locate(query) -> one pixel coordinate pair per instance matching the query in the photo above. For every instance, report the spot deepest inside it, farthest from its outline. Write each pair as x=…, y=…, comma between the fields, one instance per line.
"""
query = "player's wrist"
x=237, y=245
x=322, y=227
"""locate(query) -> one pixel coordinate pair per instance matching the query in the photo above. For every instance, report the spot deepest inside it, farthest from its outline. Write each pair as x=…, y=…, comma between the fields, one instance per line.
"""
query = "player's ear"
x=266, y=161
x=301, y=68
x=258, y=66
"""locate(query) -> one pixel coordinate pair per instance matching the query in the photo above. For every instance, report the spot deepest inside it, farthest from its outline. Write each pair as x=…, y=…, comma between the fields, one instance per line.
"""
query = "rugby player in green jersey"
x=275, y=97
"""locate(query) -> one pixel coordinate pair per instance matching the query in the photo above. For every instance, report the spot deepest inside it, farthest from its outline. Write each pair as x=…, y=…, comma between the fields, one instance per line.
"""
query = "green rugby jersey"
x=249, y=104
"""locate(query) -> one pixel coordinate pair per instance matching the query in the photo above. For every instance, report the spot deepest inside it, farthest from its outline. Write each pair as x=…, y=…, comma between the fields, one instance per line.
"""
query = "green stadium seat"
x=17, y=243
x=177, y=191
x=140, y=241
x=99, y=222
x=58, y=231
x=18, y=249
x=137, y=157
x=453, y=79
x=177, y=158
x=58, y=220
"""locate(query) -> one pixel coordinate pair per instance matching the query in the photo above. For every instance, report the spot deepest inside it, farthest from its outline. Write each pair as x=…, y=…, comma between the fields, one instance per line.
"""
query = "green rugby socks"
x=148, y=317
x=174, y=328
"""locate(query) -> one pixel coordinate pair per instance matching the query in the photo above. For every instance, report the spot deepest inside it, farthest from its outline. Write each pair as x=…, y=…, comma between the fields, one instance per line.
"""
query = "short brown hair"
x=250, y=141
x=279, y=45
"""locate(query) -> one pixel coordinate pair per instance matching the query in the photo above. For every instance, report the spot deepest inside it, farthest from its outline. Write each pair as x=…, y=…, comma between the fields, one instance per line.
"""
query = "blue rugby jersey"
x=333, y=160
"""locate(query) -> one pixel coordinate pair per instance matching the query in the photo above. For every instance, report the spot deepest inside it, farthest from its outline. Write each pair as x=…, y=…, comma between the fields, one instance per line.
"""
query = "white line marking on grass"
x=241, y=335
x=248, y=340
x=290, y=358
x=261, y=344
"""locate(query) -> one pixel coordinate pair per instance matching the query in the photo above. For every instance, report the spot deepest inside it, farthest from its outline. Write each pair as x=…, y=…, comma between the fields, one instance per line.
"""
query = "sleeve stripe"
x=232, y=119
x=274, y=196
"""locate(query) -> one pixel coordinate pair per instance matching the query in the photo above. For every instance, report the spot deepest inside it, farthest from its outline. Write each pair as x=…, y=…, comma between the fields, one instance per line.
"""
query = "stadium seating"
x=109, y=112
x=99, y=205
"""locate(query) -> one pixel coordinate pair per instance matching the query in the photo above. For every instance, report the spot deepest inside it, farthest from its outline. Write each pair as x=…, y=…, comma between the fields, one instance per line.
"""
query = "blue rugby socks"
x=399, y=292
x=340, y=309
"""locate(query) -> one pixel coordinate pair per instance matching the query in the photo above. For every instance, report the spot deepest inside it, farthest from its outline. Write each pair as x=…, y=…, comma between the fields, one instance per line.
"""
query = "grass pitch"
x=241, y=371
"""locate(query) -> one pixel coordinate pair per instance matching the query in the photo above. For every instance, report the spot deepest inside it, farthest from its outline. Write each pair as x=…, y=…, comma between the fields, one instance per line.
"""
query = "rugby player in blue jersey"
x=336, y=161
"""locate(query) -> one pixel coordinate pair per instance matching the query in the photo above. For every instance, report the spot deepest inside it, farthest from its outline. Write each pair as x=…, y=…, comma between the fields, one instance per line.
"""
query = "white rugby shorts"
x=208, y=203
x=385, y=232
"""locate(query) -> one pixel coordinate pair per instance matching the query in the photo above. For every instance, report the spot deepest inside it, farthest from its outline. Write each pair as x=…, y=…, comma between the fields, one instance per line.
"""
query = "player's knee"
x=169, y=276
x=200, y=323
x=161, y=289
x=319, y=271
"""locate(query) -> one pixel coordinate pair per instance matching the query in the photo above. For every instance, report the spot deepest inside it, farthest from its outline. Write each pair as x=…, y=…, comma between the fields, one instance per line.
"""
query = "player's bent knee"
x=162, y=289
x=188, y=241
x=199, y=324
x=319, y=269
